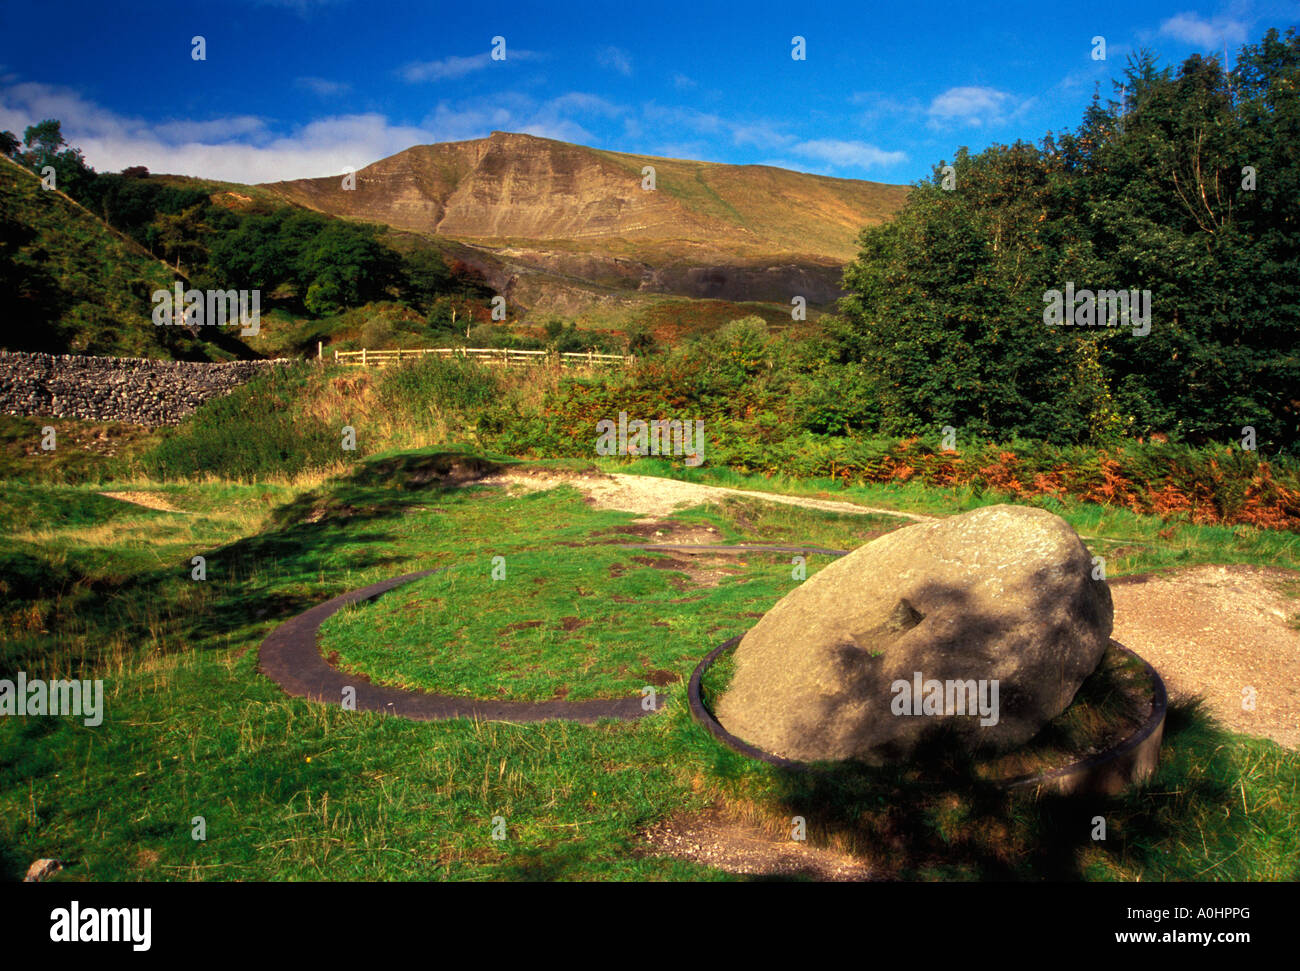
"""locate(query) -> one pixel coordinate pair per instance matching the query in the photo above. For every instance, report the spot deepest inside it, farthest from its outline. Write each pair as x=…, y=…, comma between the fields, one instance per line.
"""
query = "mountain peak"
x=586, y=214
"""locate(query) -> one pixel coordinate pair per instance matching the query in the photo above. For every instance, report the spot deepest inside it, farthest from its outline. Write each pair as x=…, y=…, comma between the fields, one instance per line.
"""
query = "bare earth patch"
x=653, y=496
x=715, y=840
x=1215, y=631
x=668, y=531
x=150, y=500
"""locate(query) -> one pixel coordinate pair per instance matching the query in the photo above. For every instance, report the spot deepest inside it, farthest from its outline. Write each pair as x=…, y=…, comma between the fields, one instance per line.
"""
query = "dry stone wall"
x=127, y=389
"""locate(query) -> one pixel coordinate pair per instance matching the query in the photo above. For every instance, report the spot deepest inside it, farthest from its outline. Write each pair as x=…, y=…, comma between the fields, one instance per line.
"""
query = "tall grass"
x=258, y=431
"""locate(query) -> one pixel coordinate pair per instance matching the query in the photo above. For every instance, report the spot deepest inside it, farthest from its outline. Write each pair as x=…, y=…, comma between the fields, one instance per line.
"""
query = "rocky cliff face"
x=581, y=215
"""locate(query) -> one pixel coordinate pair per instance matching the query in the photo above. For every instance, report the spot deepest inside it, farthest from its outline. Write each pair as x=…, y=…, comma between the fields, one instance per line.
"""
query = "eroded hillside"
x=546, y=216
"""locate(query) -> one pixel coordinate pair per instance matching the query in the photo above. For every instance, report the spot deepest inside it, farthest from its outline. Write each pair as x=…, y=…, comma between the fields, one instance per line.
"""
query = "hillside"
x=554, y=223
x=71, y=284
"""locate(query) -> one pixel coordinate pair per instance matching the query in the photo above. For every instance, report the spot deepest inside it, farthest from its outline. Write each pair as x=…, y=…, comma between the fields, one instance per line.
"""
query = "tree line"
x=1185, y=184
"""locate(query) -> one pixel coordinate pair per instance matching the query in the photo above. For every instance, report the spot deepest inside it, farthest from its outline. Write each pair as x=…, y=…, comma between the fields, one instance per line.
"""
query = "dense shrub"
x=444, y=382
x=258, y=431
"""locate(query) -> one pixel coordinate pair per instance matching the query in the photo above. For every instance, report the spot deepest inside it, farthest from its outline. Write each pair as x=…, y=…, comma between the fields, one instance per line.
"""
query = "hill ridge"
x=533, y=210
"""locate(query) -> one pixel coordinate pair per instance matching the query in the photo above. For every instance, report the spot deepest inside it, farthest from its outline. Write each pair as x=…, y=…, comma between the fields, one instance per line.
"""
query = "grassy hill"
x=71, y=284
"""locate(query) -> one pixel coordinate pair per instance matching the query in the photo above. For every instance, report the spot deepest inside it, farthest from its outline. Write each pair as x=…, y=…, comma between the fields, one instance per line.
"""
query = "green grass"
x=84, y=451
x=611, y=620
x=295, y=790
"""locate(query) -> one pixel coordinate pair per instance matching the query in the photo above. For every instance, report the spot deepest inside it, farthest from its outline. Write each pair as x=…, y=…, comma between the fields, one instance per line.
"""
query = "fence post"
x=363, y=357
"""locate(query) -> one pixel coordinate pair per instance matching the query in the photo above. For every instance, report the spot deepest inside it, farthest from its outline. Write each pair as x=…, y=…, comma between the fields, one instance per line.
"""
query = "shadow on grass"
x=12, y=866
x=935, y=820
x=299, y=560
x=318, y=535
x=427, y=468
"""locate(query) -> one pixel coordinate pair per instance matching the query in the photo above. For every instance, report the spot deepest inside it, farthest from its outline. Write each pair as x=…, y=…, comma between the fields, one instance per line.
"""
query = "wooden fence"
x=489, y=355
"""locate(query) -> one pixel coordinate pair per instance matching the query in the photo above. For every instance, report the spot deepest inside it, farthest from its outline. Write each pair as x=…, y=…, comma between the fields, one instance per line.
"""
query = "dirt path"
x=715, y=840
x=653, y=496
x=150, y=500
x=1216, y=631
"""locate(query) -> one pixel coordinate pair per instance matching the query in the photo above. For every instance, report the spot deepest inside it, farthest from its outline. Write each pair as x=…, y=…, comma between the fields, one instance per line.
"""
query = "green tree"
x=180, y=236
x=1184, y=186
x=425, y=277
x=44, y=140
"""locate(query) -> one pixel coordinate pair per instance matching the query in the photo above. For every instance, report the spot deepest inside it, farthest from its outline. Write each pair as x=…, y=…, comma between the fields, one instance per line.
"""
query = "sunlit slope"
x=582, y=215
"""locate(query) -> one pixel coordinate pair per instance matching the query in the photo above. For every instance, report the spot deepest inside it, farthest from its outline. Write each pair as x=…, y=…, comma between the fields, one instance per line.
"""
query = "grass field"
x=575, y=615
x=288, y=789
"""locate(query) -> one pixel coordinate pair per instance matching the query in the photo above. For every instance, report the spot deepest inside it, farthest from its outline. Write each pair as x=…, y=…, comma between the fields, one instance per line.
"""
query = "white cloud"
x=879, y=104
x=453, y=67
x=848, y=154
x=698, y=121
x=462, y=124
x=247, y=148
x=449, y=68
x=760, y=134
x=793, y=166
x=682, y=83
x=27, y=103
x=973, y=106
x=616, y=59
x=323, y=87
x=837, y=154
x=1192, y=29
x=244, y=148
x=554, y=118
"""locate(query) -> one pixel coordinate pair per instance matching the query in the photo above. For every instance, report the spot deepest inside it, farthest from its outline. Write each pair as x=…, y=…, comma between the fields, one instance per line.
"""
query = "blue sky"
x=295, y=88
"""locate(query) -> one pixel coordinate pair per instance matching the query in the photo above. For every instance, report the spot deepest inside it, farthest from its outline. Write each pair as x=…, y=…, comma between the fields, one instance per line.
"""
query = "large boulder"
x=977, y=629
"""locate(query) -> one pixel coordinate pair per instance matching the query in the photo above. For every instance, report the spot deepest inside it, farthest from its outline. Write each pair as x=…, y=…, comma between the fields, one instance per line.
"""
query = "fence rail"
x=490, y=355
